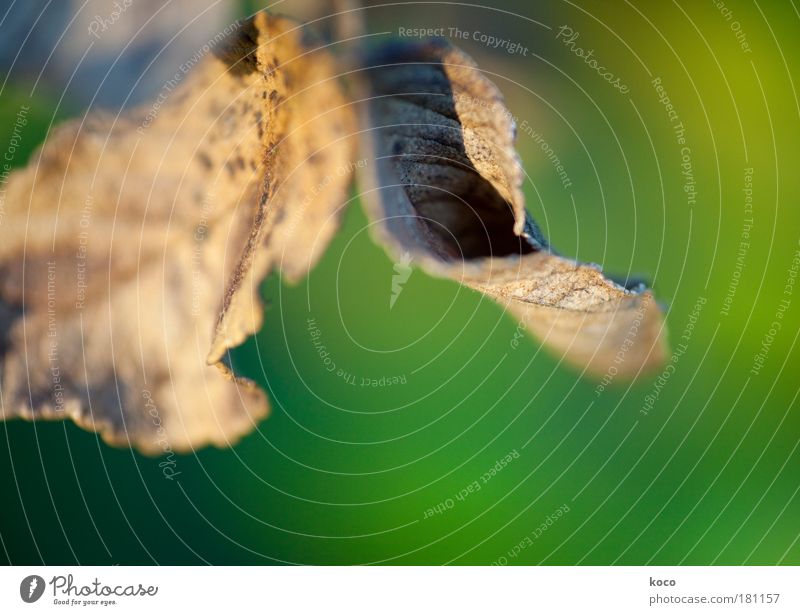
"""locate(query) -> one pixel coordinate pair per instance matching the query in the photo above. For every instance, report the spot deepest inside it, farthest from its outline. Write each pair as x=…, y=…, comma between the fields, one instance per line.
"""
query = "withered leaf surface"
x=446, y=186
x=132, y=247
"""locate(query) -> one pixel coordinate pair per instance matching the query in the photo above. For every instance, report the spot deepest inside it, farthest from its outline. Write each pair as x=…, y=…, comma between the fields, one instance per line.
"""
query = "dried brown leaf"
x=132, y=247
x=446, y=186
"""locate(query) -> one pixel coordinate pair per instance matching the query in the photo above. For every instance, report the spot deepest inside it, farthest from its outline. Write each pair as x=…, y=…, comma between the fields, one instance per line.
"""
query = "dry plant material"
x=446, y=186
x=133, y=247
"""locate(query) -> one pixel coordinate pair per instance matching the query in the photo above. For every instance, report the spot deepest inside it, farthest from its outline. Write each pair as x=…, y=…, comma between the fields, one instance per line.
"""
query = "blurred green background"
x=348, y=474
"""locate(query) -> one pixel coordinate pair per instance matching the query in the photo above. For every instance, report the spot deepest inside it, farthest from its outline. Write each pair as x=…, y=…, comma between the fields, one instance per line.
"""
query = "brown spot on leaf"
x=238, y=49
x=205, y=161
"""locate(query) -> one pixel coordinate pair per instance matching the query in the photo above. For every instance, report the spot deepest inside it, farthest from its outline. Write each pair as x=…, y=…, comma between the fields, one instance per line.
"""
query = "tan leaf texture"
x=133, y=246
x=446, y=186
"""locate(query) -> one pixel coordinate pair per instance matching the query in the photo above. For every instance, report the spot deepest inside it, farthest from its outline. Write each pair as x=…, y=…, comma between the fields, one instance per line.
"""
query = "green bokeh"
x=343, y=474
